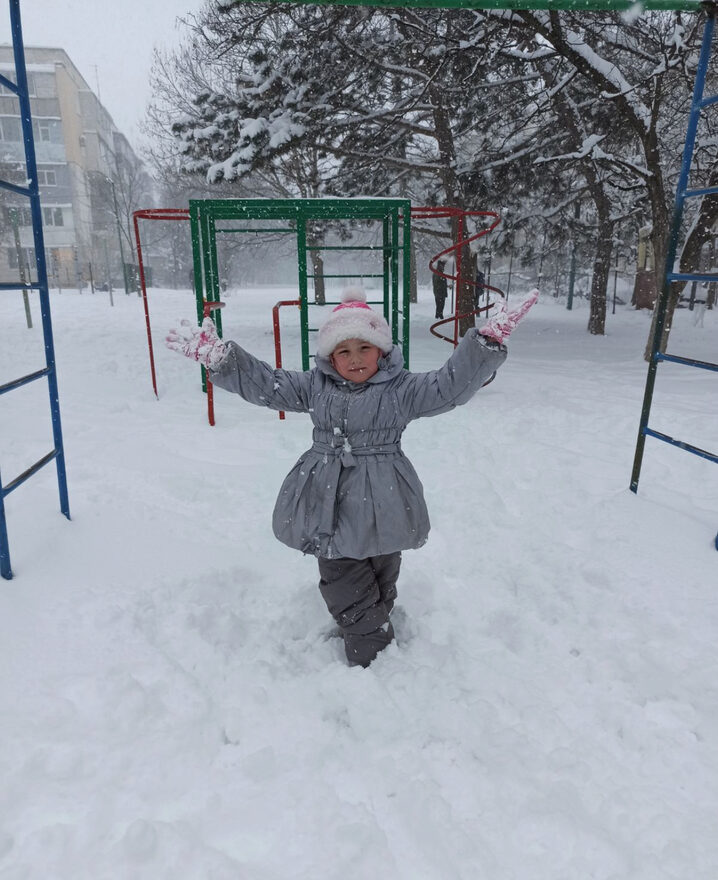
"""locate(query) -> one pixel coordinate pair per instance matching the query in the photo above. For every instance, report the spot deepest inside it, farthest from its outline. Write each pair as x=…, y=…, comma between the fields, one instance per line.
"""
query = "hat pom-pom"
x=353, y=294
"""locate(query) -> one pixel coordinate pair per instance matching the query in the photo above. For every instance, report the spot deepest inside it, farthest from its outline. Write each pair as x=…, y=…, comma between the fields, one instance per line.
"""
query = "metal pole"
x=21, y=265
x=143, y=285
x=572, y=270
x=615, y=283
x=78, y=271
x=511, y=263
x=109, y=274
x=406, y=274
x=119, y=235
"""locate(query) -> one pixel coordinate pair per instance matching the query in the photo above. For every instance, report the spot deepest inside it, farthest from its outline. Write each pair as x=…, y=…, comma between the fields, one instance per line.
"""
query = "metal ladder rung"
x=689, y=362
x=25, y=475
x=706, y=191
x=9, y=84
x=13, y=187
x=18, y=285
x=17, y=383
x=692, y=276
x=696, y=450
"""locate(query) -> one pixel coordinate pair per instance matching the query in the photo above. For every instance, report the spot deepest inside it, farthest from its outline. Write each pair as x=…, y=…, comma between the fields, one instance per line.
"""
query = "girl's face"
x=356, y=360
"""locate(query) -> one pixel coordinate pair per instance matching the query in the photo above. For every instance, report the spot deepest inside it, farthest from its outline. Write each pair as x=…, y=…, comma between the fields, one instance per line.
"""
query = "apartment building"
x=88, y=174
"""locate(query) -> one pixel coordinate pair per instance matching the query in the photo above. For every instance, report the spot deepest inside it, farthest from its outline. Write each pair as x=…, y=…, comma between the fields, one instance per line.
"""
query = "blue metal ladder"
x=32, y=192
x=682, y=193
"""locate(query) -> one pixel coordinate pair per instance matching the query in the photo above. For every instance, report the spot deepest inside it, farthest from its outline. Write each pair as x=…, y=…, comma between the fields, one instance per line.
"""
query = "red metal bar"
x=210, y=306
x=152, y=214
x=277, y=333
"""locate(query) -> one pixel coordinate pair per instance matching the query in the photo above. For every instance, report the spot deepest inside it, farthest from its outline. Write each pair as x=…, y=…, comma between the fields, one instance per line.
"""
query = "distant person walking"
x=440, y=289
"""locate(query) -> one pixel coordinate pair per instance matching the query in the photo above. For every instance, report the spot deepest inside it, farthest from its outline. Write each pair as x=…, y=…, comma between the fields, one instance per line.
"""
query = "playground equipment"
x=205, y=214
x=210, y=218
x=32, y=193
x=462, y=240
x=152, y=214
x=683, y=192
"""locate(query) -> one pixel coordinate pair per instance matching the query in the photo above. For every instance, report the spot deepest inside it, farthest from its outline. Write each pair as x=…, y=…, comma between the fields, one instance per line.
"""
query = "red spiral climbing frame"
x=459, y=214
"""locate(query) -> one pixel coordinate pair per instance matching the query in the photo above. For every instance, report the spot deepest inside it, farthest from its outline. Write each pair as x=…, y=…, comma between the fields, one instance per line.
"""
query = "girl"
x=353, y=499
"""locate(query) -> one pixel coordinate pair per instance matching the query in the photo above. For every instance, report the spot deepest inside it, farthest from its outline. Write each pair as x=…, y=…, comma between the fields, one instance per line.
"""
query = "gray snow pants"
x=359, y=594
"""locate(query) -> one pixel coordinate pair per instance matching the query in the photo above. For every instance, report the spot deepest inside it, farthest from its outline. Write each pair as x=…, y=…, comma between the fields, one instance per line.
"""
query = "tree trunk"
x=317, y=271
x=599, y=285
x=447, y=153
x=659, y=239
x=464, y=289
x=413, y=283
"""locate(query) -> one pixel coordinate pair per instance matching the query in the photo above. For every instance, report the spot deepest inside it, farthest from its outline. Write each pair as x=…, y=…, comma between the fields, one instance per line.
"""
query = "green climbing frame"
x=208, y=216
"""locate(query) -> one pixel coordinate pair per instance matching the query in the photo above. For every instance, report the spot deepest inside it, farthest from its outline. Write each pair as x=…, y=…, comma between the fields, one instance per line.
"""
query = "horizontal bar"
x=18, y=383
x=13, y=187
x=18, y=285
x=689, y=362
x=692, y=276
x=25, y=475
x=706, y=191
x=706, y=102
x=291, y=209
x=681, y=445
x=294, y=231
x=580, y=5
x=297, y=204
x=9, y=84
x=350, y=247
x=349, y=275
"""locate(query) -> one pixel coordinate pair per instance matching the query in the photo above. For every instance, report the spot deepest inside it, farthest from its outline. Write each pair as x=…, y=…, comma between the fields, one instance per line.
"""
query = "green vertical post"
x=303, y=285
x=197, y=275
x=196, y=218
x=386, y=268
x=213, y=291
x=405, y=306
x=395, y=275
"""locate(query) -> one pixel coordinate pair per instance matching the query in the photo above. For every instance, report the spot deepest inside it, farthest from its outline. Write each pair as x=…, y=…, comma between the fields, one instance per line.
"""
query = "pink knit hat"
x=353, y=319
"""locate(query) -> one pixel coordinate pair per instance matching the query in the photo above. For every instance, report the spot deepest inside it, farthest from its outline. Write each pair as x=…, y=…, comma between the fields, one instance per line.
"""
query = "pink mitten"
x=199, y=343
x=503, y=321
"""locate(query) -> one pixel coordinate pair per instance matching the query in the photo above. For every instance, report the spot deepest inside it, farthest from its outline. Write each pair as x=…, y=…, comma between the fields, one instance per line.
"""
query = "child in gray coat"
x=353, y=499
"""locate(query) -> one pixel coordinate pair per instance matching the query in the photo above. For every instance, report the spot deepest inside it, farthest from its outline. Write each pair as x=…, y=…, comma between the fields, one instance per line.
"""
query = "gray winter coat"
x=354, y=493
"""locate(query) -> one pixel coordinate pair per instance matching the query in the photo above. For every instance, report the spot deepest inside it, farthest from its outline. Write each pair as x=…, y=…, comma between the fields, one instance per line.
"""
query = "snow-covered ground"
x=172, y=706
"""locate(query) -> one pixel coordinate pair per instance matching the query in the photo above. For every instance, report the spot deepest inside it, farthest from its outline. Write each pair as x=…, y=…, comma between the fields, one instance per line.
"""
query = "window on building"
x=19, y=213
x=47, y=130
x=10, y=129
x=53, y=217
x=46, y=177
x=28, y=257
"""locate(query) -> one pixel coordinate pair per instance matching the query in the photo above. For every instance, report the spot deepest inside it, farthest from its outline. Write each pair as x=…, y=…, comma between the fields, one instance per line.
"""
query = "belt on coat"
x=347, y=452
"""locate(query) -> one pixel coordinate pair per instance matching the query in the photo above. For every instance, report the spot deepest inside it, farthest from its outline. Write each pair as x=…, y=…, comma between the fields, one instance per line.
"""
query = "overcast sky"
x=109, y=41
